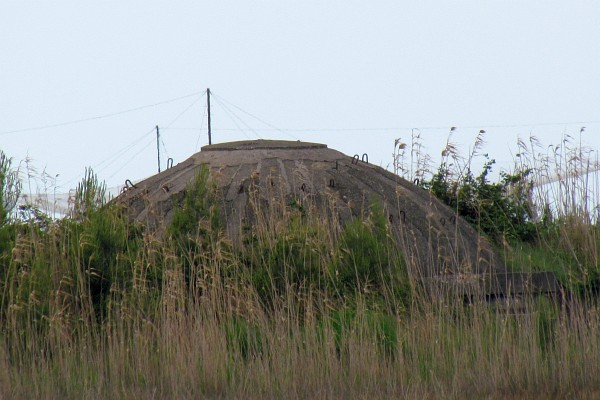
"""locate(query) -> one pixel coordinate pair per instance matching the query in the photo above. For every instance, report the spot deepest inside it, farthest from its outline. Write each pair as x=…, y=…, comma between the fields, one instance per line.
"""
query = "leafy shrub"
x=197, y=215
x=370, y=261
x=295, y=258
x=364, y=257
x=500, y=210
x=89, y=255
x=108, y=246
x=7, y=242
x=10, y=188
x=196, y=228
x=90, y=195
x=301, y=256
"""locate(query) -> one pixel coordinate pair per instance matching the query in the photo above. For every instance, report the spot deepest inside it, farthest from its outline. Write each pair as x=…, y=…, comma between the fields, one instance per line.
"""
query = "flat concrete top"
x=263, y=144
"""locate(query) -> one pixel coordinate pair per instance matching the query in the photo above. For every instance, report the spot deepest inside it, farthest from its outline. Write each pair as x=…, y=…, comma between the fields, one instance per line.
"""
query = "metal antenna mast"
x=158, y=146
x=208, y=106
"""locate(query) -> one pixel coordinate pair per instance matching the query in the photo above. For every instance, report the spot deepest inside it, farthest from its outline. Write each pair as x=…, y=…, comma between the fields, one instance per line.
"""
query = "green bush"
x=365, y=253
x=500, y=210
x=87, y=255
x=10, y=188
x=196, y=231
x=197, y=215
x=108, y=246
x=295, y=258
x=369, y=260
x=363, y=262
x=7, y=242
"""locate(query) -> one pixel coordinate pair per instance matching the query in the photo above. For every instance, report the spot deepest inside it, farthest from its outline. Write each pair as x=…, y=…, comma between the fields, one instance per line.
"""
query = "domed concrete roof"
x=337, y=186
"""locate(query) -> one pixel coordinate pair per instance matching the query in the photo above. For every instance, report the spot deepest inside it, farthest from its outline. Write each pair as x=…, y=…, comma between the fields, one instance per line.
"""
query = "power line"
x=123, y=150
x=256, y=118
x=184, y=111
x=114, y=114
x=231, y=115
x=200, y=130
x=168, y=127
x=390, y=129
x=177, y=118
x=107, y=162
x=445, y=128
x=150, y=142
x=103, y=165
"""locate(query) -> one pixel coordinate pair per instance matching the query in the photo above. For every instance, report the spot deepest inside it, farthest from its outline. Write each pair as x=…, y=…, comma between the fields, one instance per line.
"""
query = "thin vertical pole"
x=208, y=105
x=158, y=146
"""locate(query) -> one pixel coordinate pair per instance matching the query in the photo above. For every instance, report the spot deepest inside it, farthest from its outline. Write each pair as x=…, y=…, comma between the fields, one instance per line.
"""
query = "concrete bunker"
x=432, y=238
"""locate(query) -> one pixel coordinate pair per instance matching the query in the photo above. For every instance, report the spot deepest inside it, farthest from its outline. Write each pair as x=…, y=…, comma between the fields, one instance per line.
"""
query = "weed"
x=94, y=306
x=10, y=188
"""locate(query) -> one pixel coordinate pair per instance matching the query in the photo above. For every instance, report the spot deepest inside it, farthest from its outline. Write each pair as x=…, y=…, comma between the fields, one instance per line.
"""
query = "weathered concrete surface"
x=260, y=174
x=496, y=287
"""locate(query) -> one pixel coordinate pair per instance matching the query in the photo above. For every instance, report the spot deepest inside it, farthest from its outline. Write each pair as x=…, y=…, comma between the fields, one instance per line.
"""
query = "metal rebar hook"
x=355, y=159
x=403, y=215
x=169, y=163
x=365, y=158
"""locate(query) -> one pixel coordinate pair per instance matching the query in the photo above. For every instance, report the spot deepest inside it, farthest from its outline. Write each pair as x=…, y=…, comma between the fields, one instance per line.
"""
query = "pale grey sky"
x=317, y=70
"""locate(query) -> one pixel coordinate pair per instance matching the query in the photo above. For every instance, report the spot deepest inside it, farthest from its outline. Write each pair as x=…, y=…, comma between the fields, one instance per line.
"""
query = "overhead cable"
x=234, y=116
x=200, y=130
x=445, y=128
x=132, y=158
x=184, y=111
x=284, y=131
x=78, y=121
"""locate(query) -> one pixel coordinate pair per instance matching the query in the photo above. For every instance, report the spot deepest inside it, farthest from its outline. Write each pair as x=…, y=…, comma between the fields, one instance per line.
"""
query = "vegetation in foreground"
x=94, y=306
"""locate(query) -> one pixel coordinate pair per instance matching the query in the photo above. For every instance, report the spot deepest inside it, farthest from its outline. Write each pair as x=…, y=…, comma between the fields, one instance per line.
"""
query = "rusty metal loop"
x=303, y=187
x=365, y=158
x=416, y=181
x=331, y=183
x=129, y=184
x=355, y=159
x=403, y=215
x=169, y=163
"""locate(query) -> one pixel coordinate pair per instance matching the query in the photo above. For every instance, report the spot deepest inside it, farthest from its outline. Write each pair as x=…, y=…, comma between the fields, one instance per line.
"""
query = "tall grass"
x=93, y=306
x=542, y=213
